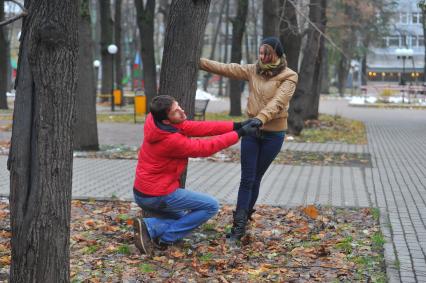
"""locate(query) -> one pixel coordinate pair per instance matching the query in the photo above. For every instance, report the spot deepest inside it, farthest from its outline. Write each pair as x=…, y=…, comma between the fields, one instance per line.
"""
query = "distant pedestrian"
x=271, y=86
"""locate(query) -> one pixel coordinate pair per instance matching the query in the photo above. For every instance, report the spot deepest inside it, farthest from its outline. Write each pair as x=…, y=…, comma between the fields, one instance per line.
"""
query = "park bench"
x=200, y=109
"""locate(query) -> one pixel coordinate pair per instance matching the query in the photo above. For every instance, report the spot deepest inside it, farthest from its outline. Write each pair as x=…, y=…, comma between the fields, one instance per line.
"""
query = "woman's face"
x=266, y=54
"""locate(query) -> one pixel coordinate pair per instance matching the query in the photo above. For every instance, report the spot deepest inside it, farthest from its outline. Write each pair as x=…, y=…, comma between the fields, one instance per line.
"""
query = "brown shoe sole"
x=143, y=247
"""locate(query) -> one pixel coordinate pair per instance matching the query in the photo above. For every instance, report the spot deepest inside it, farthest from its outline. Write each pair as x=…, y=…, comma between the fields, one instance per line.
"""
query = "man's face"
x=176, y=114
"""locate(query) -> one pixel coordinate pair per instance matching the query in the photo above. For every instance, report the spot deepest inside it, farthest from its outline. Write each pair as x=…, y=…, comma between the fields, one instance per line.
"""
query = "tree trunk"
x=40, y=159
x=117, y=39
x=146, y=30
x=106, y=39
x=271, y=18
x=238, y=27
x=309, y=75
x=325, y=81
x=207, y=76
x=182, y=51
x=342, y=74
x=312, y=106
x=364, y=69
x=225, y=54
x=4, y=64
x=289, y=34
x=85, y=125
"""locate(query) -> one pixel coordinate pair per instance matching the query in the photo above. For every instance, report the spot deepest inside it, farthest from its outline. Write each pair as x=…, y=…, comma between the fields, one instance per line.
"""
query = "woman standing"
x=271, y=85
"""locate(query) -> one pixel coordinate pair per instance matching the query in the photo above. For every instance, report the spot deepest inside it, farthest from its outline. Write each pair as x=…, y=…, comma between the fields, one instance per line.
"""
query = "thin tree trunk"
x=4, y=60
x=117, y=39
x=312, y=105
x=40, y=159
x=270, y=18
x=207, y=76
x=342, y=74
x=238, y=27
x=146, y=30
x=225, y=54
x=325, y=81
x=289, y=34
x=364, y=69
x=85, y=126
x=106, y=39
x=309, y=74
x=254, y=17
x=182, y=50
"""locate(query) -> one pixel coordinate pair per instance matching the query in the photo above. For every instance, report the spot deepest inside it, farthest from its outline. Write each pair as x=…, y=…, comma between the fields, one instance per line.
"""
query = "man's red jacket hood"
x=165, y=151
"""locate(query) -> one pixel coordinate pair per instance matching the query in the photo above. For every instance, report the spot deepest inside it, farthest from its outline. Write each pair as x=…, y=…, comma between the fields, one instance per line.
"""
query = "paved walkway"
x=396, y=182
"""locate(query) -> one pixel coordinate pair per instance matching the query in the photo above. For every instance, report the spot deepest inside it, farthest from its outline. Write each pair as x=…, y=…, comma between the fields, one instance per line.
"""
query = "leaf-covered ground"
x=310, y=244
x=288, y=157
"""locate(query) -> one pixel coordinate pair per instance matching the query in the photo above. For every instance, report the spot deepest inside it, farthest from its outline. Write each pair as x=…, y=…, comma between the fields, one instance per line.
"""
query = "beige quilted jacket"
x=268, y=98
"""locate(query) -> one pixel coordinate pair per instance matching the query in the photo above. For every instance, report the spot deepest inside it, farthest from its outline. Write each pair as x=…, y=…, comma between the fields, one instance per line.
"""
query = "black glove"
x=256, y=122
x=253, y=121
x=248, y=130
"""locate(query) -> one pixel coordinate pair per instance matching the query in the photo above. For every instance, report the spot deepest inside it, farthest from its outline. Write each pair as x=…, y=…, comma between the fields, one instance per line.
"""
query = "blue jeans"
x=257, y=153
x=182, y=212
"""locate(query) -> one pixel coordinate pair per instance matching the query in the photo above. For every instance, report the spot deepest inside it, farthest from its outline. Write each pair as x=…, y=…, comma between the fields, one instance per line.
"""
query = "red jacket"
x=164, y=153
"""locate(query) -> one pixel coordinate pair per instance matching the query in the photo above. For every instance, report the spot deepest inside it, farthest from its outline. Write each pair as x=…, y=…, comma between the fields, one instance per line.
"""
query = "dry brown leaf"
x=177, y=254
x=5, y=260
x=5, y=234
x=311, y=211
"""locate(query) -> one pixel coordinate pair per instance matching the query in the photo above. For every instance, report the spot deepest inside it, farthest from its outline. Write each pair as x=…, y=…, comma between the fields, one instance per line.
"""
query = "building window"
x=384, y=42
x=421, y=41
x=415, y=17
x=403, y=18
x=413, y=41
x=393, y=41
x=404, y=41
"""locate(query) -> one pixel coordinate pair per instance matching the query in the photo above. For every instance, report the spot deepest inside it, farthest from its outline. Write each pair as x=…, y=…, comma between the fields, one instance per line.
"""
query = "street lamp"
x=96, y=65
x=403, y=53
x=112, y=49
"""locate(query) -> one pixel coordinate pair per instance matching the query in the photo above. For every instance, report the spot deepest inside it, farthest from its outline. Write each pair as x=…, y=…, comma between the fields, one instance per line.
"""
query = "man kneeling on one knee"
x=162, y=159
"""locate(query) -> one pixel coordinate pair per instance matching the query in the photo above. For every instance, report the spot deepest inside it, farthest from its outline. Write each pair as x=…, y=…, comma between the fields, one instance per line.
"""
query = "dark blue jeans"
x=257, y=153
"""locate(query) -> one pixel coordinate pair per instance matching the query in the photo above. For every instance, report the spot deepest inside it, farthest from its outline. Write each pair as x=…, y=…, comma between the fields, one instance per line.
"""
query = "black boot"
x=250, y=214
x=239, y=225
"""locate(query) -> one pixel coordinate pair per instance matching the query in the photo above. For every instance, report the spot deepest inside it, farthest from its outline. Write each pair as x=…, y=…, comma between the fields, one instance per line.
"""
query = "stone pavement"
x=396, y=182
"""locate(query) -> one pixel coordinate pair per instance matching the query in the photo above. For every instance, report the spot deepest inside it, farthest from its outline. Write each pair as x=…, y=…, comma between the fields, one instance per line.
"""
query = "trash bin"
x=118, y=97
x=140, y=104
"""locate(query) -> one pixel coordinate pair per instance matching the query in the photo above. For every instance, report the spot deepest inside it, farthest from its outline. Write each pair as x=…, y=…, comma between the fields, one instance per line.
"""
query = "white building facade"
x=400, y=58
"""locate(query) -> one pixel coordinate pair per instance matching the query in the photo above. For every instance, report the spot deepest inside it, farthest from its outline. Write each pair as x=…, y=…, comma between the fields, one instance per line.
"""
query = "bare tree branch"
x=15, y=18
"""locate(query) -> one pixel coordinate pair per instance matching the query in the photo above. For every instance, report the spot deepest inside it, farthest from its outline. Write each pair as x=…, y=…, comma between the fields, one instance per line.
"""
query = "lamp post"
x=112, y=49
x=403, y=53
x=96, y=65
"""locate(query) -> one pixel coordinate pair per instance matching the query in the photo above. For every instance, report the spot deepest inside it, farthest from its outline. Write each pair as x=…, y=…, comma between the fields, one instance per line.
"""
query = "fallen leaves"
x=282, y=245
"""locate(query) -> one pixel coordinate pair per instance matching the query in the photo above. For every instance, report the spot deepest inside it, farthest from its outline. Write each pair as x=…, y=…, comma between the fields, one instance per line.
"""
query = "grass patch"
x=378, y=240
x=119, y=118
x=224, y=116
x=123, y=249
x=375, y=212
x=333, y=128
x=345, y=245
x=90, y=249
x=146, y=268
x=206, y=257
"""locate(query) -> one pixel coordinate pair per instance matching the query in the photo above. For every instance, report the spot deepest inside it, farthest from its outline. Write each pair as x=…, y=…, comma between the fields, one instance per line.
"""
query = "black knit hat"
x=275, y=43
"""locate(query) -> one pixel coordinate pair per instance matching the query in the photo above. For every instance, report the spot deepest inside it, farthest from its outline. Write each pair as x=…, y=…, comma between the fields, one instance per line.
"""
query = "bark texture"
x=40, y=159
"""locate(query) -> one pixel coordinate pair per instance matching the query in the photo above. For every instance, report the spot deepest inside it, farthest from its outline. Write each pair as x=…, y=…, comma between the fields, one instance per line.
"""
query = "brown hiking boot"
x=141, y=237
